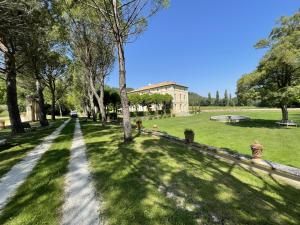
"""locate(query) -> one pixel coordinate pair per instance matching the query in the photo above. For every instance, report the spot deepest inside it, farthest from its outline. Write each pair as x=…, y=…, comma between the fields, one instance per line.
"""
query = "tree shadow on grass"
x=258, y=123
x=218, y=193
x=39, y=199
x=22, y=144
x=129, y=197
x=152, y=181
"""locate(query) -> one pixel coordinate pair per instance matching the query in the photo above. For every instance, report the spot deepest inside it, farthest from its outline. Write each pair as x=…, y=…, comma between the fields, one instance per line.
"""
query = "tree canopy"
x=277, y=77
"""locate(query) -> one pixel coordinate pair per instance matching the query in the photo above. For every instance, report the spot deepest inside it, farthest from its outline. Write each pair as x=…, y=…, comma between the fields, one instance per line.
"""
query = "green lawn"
x=151, y=181
x=39, y=200
x=221, y=107
x=281, y=144
x=22, y=144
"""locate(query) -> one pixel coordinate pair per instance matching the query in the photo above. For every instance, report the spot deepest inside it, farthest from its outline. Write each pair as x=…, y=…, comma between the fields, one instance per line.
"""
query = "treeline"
x=163, y=101
x=226, y=100
x=63, y=51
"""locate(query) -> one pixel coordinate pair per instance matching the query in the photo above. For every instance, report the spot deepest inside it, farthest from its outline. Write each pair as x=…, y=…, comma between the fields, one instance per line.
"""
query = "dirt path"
x=81, y=205
x=10, y=182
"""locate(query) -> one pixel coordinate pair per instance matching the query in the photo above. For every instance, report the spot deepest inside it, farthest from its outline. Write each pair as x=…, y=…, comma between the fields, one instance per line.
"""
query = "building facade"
x=180, y=102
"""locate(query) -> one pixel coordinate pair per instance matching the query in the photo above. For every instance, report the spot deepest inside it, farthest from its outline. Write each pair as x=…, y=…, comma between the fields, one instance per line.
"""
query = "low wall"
x=260, y=164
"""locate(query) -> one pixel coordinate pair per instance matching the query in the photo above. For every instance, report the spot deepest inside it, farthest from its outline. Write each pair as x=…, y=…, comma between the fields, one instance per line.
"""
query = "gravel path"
x=81, y=205
x=10, y=182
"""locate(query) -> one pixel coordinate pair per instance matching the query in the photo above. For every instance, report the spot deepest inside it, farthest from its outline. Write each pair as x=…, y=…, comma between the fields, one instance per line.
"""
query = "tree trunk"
x=285, y=113
x=122, y=74
x=42, y=114
x=11, y=92
x=60, y=111
x=91, y=98
x=123, y=94
x=101, y=102
x=100, y=98
x=53, y=100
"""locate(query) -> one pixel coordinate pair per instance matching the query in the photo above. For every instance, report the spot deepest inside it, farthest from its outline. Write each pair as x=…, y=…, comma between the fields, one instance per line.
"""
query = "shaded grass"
x=21, y=145
x=152, y=181
x=39, y=200
x=281, y=144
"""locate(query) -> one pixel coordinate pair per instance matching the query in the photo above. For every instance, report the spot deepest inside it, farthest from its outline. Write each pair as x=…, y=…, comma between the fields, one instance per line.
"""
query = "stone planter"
x=2, y=124
x=189, y=136
x=139, y=125
x=256, y=149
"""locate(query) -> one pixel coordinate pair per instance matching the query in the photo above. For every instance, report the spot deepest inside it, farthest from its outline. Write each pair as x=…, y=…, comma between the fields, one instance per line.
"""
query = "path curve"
x=13, y=179
x=81, y=205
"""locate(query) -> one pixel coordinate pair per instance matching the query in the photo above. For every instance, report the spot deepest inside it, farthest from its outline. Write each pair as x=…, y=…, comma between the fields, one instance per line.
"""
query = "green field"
x=281, y=144
x=220, y=107
x=151, y=181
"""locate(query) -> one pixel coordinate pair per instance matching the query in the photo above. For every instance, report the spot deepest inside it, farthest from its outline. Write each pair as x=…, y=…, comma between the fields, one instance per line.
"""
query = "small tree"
x=225, y=100
x=217, y=101
x=167, y=102
x=135, y=101
x=209, y=99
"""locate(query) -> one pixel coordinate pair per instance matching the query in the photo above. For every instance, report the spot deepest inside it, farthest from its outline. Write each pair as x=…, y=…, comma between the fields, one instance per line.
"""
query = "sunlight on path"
x=81, y=204
x=10, y=182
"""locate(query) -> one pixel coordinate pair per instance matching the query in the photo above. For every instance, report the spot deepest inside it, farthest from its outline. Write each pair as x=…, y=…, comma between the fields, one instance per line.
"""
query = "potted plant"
x=256, y=149
x=138, y=123
x=189, y=135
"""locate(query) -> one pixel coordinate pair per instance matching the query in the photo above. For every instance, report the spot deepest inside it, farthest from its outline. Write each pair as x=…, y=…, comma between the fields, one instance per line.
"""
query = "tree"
x=217, y=101
x=209, y=99
x=94, y=48
x=135, y=100
x=146, y=101
x=166, y=102
x=15, y=22
x=125, y=19
x=157, y=99
x=115, y=100
x=56, y=78
x=225, y=100
x=277, y=77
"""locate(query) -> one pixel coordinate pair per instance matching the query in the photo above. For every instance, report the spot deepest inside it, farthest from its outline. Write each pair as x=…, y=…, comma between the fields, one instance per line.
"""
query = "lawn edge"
x=272, y=168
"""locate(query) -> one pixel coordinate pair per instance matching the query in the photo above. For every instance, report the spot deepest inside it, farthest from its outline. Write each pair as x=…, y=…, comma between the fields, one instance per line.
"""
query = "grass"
x=281, y=144
x=22, y=144
x=221, y=107
x=152, y=181
x=39, y=200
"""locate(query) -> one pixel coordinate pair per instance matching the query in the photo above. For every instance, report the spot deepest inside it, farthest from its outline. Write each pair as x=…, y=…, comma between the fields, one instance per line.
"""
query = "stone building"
x=180, y=103
x=32, y=108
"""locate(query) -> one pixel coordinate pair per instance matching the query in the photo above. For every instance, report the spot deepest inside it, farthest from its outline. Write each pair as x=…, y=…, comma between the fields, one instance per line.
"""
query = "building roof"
x=162, y=84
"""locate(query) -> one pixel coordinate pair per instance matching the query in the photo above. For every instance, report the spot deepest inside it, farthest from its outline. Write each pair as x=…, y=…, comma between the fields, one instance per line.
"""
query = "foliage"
x=188, y=131
x=2, y=92
x=163, y=100
x=277, y=77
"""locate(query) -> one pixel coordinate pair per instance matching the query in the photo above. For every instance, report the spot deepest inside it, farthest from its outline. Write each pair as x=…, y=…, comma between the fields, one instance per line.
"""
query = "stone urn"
x=2, y=124
x=139, y=125
x=256, y=149
x=189, y=136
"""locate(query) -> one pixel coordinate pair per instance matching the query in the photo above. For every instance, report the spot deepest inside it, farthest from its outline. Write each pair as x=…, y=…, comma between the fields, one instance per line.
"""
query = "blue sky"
x=204, y=44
